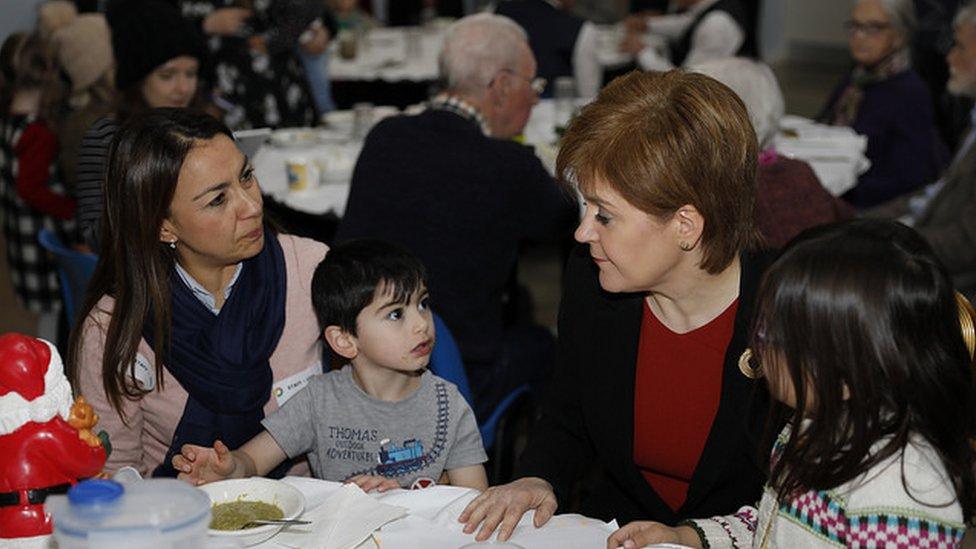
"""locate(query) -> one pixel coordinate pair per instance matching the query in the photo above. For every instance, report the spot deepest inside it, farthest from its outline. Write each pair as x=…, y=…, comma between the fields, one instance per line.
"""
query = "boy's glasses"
x=868, y=28
x=538, y=84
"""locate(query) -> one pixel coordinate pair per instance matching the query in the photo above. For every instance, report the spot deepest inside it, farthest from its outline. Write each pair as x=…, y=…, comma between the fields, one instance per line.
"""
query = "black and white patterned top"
x=32, y=269
x=255, y=89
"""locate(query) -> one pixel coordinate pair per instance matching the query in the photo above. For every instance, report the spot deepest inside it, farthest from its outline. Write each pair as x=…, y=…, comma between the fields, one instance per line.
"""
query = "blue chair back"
x=445, y=360
x=74, y=270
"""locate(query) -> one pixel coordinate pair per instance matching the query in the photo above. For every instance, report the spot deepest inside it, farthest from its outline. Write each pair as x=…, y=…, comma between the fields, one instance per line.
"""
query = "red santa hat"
x=32, y=382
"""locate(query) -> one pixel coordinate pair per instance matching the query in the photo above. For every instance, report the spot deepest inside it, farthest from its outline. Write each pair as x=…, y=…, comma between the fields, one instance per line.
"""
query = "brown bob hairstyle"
x=665, y=140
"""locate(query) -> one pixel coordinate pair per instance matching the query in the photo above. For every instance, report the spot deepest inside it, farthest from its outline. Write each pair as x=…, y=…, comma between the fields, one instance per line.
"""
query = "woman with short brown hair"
x=647, y=401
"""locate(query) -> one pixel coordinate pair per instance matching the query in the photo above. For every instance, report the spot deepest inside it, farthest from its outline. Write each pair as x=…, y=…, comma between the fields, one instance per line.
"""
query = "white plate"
x=285, y=496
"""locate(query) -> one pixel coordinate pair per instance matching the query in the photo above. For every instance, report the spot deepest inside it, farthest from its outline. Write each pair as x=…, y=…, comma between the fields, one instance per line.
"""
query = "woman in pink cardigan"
x=198, y=320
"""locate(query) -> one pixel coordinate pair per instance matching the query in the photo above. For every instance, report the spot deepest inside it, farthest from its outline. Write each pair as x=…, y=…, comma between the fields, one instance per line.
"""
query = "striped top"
x=92, y=165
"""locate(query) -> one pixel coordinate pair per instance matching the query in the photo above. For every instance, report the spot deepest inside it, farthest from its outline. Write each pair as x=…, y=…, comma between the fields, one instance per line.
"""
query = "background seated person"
x=884, y=99
x=944, y=211
x=698, y=31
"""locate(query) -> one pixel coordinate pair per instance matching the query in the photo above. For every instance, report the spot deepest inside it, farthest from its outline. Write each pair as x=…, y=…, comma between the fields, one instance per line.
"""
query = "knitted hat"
x=53, y=15
x=147, y=34
x=84, y=49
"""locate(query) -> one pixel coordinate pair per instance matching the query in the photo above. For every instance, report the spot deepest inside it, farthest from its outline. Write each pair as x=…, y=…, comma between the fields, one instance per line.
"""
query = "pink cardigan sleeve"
x=125, y=437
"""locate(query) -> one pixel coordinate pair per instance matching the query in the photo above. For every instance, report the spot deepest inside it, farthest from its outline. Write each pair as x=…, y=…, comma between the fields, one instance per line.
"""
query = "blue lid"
x=95, y=492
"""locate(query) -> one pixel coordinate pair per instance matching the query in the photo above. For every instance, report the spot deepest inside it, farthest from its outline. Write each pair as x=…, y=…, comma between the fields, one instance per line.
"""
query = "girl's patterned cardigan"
x=873, y=510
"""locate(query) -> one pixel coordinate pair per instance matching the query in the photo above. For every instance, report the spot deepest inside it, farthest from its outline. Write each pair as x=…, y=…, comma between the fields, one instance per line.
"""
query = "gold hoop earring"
x=966, y=322
x=746, y=368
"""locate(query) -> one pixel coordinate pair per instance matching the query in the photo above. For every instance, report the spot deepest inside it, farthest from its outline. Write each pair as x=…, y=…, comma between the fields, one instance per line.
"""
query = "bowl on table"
x=285, y=496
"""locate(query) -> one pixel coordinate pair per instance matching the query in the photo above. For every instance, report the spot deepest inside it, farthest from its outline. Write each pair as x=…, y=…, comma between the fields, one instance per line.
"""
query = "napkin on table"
x=346, y=519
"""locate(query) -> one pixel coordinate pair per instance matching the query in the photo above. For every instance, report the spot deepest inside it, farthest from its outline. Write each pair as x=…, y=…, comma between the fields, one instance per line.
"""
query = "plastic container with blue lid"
x=154, y=513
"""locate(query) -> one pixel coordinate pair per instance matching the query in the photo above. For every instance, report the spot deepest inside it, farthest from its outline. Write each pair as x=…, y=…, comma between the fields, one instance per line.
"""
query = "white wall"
x=17, y=15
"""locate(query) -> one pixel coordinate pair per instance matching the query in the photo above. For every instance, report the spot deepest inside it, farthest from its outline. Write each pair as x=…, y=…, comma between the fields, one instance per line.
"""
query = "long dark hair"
x=865, y=306
x=134, y=266
x=27, y=62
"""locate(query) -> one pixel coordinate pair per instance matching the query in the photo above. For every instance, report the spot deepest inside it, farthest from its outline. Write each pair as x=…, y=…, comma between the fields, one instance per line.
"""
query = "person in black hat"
x=159, y=57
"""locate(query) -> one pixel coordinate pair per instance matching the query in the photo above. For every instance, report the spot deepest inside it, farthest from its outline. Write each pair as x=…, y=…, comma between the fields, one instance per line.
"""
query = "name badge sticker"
x=143, y=373
x=286, y=388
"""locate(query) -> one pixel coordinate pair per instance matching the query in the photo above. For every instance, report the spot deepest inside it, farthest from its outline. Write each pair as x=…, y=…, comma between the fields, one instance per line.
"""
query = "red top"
x=677, y=390
x=36, y=150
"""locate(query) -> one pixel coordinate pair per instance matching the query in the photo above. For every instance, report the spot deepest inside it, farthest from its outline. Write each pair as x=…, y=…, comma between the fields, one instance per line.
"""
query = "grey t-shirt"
x=347, y=432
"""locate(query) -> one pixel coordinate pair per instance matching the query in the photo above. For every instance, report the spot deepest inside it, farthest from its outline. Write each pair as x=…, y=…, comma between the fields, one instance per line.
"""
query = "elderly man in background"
x=944, y=212
x=450, y=185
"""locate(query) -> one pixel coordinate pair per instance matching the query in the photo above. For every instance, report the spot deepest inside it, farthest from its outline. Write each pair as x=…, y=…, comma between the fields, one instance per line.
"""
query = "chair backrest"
x=74, y=270
x=445, y=360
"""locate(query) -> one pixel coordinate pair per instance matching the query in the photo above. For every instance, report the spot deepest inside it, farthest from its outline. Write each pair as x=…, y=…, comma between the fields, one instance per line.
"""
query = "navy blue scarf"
x=222, y=360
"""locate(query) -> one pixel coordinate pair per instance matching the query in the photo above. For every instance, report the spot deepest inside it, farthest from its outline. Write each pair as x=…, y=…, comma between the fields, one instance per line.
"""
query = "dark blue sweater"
x=462, y=202
x=904, y=147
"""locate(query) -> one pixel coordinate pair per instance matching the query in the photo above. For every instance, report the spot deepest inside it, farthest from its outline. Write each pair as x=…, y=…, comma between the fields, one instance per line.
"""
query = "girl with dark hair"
x=858, y=335
x=31, y=195
x=216, y=326
x=159, y=57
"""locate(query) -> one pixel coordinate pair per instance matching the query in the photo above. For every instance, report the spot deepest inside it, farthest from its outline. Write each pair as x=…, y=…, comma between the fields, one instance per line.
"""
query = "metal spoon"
x=287, y=522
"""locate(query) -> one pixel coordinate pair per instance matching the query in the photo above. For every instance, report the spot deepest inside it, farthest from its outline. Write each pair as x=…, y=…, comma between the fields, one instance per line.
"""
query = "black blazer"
x=586, y=422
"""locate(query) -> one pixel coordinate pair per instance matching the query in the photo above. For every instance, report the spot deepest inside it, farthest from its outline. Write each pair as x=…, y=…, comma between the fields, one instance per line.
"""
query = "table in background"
x=836, y=153
x=382, y=72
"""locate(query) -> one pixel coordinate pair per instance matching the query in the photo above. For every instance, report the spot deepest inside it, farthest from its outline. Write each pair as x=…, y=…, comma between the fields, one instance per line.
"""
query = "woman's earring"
x=686, y=246
x=172, y=244
x=745, y=365
x=966, y=322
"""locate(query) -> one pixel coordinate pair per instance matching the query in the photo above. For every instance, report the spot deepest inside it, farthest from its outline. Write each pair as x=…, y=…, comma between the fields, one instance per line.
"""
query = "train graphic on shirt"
x=408, y=458
x=396, y=459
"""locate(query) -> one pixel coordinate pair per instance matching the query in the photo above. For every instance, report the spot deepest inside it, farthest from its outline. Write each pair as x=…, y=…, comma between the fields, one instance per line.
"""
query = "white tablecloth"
x=432, y=520
x=337, y=160
x=836, y=154
x=382, y=55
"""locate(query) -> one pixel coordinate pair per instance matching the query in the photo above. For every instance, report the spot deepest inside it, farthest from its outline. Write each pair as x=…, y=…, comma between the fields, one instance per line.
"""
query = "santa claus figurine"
x=46, y=444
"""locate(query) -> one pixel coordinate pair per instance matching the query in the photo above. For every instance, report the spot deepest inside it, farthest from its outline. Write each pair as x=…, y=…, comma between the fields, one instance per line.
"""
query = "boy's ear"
x=341, y=341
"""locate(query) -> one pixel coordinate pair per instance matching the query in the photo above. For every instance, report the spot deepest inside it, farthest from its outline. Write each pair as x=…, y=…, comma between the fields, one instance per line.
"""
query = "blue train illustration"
x=400, y=459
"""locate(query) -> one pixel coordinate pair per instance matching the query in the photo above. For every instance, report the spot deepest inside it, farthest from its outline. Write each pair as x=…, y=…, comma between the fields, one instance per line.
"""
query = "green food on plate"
x=235, y=515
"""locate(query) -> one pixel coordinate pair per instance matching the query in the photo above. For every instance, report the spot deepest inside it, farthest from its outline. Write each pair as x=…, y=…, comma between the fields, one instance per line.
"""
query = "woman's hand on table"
x=368, y=483
x=502, y=507
x=644, y=532
x=200, y=465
